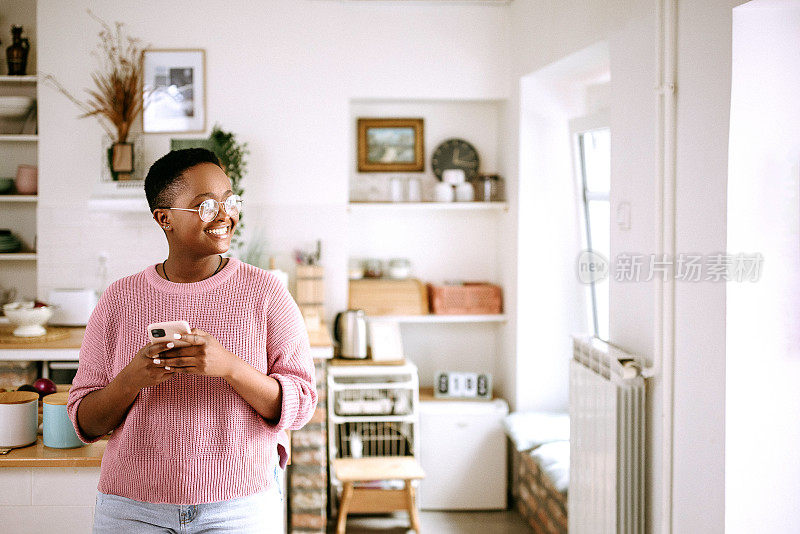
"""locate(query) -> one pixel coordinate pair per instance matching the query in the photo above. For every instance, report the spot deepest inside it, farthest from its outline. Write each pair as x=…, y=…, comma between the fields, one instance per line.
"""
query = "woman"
x=196, y=420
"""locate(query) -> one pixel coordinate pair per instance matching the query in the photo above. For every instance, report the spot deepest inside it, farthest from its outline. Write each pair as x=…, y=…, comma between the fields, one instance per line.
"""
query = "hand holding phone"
x=158, y=332
x=145, y=369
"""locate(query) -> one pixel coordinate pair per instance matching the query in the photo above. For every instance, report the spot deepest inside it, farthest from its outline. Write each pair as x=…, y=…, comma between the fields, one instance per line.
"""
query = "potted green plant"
x=232, y=156
x=116, y=98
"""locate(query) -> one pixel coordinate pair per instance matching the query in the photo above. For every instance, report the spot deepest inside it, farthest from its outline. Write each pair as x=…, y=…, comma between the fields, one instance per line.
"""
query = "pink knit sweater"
x=193, y=439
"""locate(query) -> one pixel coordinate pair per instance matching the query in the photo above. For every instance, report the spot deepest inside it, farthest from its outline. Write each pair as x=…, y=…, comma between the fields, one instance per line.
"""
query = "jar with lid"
x=355, y=269
x=373, y=268
x=488, y=188
x=399, y=268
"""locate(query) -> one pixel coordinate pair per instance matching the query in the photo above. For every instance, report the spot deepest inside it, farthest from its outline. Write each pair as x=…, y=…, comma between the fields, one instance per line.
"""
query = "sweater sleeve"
x=92, y=365
x=289, y=358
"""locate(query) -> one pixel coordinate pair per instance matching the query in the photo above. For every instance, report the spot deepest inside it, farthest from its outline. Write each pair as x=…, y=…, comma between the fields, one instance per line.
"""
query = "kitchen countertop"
x=40, y=456
x=72, y=342
x=67, y=349
x=90, y=455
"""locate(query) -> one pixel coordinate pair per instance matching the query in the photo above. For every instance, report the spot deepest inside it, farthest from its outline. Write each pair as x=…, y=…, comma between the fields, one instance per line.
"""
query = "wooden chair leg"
x=344, y=505
x=411, y=503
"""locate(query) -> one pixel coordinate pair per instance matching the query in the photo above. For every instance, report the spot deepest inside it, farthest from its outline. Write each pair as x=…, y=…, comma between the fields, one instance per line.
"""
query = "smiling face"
x=188, y=233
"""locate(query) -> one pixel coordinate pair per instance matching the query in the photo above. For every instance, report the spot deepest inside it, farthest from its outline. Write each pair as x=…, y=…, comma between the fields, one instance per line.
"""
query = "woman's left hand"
x=203, y=356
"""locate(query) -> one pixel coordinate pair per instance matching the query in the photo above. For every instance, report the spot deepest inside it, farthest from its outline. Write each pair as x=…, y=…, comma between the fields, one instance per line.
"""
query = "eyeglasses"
x=209, y=208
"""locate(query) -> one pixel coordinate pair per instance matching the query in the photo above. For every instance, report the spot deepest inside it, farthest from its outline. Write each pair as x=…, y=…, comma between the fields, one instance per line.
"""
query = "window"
x=593, y=163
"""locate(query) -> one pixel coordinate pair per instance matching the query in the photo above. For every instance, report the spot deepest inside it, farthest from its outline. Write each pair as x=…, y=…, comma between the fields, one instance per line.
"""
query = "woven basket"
x=472, y=298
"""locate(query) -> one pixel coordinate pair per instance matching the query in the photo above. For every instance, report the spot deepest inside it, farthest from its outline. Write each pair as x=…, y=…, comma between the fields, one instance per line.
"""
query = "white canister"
x=413, y=190
x=19, y=418
x=465, y=192
x=396, y=188
x=443, y=192
x=453, y=176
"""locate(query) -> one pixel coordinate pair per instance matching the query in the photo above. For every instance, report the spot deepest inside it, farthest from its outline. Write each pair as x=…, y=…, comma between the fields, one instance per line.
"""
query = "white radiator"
x=607, y=440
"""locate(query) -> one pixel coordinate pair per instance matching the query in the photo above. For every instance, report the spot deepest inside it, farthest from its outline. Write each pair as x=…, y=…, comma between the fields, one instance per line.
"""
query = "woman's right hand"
x=143, y=372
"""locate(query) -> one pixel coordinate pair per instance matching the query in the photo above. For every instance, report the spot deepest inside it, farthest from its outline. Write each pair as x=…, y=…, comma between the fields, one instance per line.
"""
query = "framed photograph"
x=174, y=91
x=390, y=145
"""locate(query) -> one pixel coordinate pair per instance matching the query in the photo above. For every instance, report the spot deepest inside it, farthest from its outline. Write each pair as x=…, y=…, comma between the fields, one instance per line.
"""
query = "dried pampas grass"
x=116, y=98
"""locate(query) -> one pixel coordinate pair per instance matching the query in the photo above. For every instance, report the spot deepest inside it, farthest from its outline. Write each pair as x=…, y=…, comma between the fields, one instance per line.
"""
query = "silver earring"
x=166, y=227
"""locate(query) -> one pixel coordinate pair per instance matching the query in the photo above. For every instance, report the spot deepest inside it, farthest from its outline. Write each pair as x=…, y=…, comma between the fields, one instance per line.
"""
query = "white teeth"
x=218, y=231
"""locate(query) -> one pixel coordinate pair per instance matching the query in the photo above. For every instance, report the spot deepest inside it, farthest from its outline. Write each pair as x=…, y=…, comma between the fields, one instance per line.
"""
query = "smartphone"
x=166, y=331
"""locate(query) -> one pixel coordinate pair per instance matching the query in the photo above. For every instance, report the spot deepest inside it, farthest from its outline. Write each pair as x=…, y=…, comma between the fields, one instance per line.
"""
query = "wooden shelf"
x=19, y=138
x=120, y=204
x=433, y=206
x=18, y=198
x=431, y=318
x=17, y=256
x=28, y=78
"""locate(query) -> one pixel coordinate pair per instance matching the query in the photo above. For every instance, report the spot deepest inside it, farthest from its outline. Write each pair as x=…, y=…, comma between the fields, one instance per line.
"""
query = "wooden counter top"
x=318, y=339
x=40, y=456
x=72, y=342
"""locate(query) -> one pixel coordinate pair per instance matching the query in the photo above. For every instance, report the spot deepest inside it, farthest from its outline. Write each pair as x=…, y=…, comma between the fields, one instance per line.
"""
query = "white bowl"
x=29, y=321
x=15, y=107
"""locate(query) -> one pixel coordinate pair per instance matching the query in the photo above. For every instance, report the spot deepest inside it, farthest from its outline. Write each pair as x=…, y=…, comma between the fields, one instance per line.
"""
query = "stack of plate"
x=9, y=242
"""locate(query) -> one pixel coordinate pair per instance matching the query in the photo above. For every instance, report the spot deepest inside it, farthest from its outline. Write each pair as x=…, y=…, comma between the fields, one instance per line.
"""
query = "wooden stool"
x=374, y=500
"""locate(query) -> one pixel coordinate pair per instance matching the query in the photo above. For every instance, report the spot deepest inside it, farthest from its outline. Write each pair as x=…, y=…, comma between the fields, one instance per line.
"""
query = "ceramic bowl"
x=15, y=107
x=29, y=321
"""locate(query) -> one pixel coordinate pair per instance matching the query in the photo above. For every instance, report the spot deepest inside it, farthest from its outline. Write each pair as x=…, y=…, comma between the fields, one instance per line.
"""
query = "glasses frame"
x=217, y=203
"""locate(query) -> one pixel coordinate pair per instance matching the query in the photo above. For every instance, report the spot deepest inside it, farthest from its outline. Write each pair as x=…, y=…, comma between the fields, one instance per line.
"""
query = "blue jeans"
x=260, y=513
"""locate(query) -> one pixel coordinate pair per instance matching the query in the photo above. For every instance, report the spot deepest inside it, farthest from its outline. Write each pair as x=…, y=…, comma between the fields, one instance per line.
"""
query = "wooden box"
x=389, y=297
x=309, y=284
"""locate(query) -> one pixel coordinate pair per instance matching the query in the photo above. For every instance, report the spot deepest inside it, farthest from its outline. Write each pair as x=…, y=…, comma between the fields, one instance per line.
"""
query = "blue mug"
x=57, y=429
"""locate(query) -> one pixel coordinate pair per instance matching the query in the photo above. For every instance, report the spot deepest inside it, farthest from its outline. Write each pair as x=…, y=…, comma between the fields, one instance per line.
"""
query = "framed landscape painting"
x=391, y=145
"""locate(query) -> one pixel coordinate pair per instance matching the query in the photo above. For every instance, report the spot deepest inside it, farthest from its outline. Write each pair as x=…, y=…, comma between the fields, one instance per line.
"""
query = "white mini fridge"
x=462, y=449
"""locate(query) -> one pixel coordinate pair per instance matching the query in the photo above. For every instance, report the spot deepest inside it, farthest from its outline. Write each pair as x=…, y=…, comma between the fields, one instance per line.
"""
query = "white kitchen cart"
x=373, y=410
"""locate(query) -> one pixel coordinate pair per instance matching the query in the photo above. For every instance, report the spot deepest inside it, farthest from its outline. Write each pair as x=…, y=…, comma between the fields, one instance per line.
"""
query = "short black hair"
x=163, y=179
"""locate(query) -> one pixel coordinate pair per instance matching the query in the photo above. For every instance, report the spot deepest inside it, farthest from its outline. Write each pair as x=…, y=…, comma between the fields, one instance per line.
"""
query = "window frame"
x=578, y=126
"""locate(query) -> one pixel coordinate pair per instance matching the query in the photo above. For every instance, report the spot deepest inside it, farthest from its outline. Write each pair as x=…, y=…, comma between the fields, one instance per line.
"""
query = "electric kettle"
x=350, y=331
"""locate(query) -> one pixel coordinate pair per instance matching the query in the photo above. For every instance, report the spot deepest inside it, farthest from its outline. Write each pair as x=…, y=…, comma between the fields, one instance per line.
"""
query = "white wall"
x=551, y=296
x=282, y=75
x=704, y=63
x=543, y=33
x=763, y=363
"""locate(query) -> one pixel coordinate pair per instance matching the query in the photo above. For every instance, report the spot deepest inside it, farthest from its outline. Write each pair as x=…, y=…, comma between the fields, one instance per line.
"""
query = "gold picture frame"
x=391, y=145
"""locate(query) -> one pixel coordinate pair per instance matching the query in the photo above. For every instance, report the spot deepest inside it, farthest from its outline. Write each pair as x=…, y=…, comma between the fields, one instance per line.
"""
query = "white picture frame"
x=174, y=91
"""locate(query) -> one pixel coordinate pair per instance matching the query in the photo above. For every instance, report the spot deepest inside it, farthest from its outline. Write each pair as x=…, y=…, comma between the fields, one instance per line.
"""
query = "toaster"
x=72, y=307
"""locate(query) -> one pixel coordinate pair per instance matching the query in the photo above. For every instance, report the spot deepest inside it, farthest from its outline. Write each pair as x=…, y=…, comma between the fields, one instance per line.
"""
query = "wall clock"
x=455, y=154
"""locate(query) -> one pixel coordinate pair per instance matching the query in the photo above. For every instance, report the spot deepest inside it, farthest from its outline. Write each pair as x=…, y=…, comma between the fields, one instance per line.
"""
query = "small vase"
x=27, y=180
x=17, y=53
x=120, y=161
